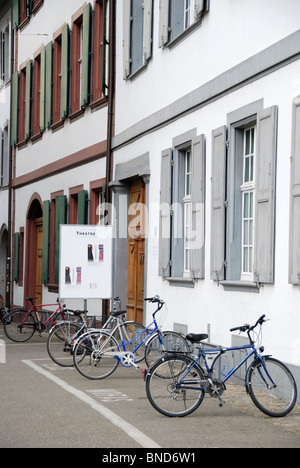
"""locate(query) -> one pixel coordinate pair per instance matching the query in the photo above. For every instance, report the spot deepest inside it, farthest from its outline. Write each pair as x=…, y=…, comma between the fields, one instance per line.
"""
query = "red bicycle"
x=21, y=324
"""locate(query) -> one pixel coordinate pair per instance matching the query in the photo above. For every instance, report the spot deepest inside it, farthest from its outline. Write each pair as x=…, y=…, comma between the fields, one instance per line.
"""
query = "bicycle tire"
x=136, y=333
x=172, y=342
x=275, y=401
x=89, y=354
x=60, y=343
x=15, y=330
x=164, y=391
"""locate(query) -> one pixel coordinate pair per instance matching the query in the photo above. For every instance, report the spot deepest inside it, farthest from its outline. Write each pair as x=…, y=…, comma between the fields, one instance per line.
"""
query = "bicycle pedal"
x=221, y=403
x=144, y=373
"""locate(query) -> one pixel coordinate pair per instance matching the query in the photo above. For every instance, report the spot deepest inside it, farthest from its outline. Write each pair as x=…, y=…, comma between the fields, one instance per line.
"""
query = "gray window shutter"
x=294, y=263
x=198, y=208
x=218, y=203
x=126, y=37
x=1, y=168
x=163, y=22
x=199, y=8
x=265, y=181
x=147, y=40
x=177, y=18
x=165, y=214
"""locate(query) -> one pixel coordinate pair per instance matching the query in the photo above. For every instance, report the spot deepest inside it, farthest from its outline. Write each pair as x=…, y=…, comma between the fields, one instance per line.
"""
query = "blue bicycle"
x=177, y=383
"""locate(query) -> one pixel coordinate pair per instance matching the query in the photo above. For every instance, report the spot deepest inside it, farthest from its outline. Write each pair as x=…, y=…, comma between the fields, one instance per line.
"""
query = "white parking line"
x=113, y=418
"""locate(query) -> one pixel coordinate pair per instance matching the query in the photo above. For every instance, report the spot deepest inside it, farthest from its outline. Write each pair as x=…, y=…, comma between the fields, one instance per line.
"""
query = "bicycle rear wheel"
x=272, y=387
x=60, y=343
x=174, y=386
x=19, y=326
x=165, y=341
x=94, y=356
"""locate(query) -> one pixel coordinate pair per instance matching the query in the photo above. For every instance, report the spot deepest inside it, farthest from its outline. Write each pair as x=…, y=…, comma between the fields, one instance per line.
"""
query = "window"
x=4, y=56
x=81, y=55
x=243, y=198
x=177, y=16
x=137, y=39
x=181, y=244
x=100, y=51
x=78, y=204
x=98, y=214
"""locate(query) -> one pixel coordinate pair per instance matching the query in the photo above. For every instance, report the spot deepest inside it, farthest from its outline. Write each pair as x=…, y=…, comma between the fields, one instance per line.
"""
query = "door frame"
x=125, y=173
x=35, y=211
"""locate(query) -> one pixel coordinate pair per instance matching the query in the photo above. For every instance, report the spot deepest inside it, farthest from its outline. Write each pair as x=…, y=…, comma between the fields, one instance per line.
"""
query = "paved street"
x=44, y=405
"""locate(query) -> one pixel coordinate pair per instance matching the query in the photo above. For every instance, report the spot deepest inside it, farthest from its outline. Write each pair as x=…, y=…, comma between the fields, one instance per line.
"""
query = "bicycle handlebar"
x=154, y=299
x=246, y=327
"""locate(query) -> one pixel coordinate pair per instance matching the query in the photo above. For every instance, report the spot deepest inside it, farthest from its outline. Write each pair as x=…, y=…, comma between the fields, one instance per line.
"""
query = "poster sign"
x=85, y=266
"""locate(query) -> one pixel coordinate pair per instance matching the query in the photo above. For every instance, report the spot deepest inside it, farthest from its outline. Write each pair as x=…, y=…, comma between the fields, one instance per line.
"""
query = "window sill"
x=183, y=282
x=241, y=286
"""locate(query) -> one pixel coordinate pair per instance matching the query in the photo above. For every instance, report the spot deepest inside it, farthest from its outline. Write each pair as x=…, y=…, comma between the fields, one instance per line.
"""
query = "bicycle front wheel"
x=60, y=343
x=94, y=355
x=174, y=386
x=19, y=326
x=272, y=387
x=164, y=341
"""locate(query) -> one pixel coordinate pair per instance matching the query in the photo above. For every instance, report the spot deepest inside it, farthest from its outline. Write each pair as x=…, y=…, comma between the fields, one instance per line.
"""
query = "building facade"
x=59, y=131
x=190, y=127
x=209, y=144
x=5, y=87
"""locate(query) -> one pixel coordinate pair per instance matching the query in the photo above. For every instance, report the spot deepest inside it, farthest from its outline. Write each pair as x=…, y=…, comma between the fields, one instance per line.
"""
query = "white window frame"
x=248, y=190
x=187, y=207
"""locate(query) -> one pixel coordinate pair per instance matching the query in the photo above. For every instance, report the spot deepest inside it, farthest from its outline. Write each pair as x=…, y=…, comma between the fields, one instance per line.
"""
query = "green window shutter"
x=15, y=109
x=16, y=256
x=218, y=172
x=165, y=214
x=86, y=46
x=28, y=98
x=60, y=218
x=265, y=181
x=48, y=84
x=294, y=263
x=46, y=239
x=82, y=207
x=198, y=211
x=64, y=104
x=16, y=14
x=42, y=89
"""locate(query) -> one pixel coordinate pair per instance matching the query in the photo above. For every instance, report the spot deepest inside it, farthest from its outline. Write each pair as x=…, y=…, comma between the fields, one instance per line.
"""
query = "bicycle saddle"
x=196, y=338
x=31, y=299
x=116, y=313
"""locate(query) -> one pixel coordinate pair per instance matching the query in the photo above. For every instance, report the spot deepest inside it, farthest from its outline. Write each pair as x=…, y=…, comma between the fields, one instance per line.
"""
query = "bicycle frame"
x=37, y=316
x=204, y=352
x=150, y=333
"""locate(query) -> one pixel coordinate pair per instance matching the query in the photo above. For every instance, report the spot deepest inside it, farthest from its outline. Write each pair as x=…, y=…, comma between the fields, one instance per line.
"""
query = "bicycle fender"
x=258, y=359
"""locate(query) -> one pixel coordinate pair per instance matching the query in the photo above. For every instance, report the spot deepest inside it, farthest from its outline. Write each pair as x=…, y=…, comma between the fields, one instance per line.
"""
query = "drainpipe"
x=111, y=92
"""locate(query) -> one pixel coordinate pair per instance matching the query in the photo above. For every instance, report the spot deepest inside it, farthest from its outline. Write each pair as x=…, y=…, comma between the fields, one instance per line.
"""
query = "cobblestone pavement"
x=236, y=396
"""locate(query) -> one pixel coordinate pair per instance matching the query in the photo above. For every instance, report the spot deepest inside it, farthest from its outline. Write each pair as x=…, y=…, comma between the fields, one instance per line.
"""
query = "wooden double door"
x=136, y=251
